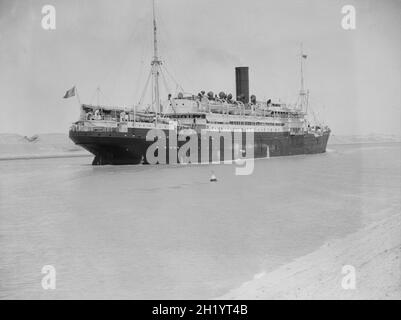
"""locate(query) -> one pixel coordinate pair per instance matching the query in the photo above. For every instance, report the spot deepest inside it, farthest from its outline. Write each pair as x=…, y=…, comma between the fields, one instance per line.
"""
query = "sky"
x=354, y=76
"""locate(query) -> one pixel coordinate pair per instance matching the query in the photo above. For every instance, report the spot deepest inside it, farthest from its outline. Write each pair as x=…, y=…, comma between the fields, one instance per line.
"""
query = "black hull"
x=112, y=148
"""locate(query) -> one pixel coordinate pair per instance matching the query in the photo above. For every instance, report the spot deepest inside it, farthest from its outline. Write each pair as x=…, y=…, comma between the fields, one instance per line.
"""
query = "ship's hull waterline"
x=112, y=148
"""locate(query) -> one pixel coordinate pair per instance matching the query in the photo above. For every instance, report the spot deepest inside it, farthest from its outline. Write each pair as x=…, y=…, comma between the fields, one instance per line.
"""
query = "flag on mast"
x=304, y=56
x=70, y=93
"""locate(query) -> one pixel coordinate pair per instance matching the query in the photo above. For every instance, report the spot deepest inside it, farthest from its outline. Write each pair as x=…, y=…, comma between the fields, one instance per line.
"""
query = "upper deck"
x=197, y=113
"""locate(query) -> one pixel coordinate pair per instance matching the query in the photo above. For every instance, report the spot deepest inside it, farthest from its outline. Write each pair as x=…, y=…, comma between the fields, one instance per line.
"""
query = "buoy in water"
x=213, y=178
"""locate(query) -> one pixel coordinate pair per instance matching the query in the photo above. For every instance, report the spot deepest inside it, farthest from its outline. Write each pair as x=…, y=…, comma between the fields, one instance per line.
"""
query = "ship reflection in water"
x=168, y=232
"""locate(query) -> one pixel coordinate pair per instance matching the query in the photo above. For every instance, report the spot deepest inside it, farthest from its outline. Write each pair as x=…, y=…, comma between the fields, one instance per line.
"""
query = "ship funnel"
x=242, y=83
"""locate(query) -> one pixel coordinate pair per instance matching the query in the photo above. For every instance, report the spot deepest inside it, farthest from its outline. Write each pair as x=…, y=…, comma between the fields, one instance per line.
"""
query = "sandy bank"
x=46, y=156
x=44, y=146
x=374, y=251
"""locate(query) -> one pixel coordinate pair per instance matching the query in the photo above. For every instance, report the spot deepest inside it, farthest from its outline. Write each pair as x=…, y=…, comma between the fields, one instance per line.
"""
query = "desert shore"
x=374, y=252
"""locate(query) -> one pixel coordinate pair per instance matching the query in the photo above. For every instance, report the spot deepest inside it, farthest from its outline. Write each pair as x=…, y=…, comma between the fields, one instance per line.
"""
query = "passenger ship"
x=119, y=135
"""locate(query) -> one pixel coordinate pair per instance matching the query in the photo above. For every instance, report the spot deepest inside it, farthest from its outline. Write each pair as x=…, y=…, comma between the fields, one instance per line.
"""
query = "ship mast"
x=302, y=70
x=156, y=63
x=303, y=95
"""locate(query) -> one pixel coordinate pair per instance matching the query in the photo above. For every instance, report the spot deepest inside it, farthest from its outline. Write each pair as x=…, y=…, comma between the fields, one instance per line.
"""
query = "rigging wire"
x=167, y=87
x=145, y=89
x=92, y=97
x=172, y=78
x=164, y=33
x=140, y=74
x=122, y=55
x=98, y=91
x=104, y=96
x=168, y=90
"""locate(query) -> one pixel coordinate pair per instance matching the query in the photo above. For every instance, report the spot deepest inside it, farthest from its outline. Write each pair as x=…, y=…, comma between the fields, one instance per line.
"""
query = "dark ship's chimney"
x=242, y=83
